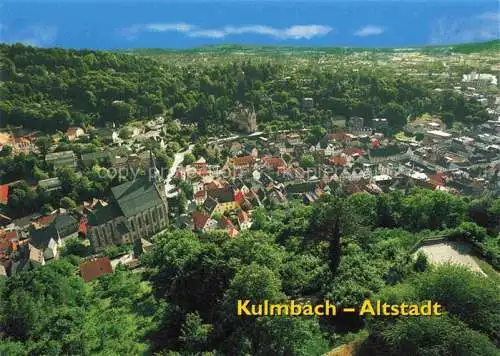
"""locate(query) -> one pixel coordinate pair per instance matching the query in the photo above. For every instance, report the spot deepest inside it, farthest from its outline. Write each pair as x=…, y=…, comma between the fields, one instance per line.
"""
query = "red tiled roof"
x=274, y=162
x=82, y=229
x=354, y=150
x=242, y=217
x=223, y=193
x=242, y=161
x=72, y=130
x=200, y=194
x=213, y=185
x=4, y=194
x=199, y=219
x=11, y=235
x=95, y=268
x=202, y=172
x=338, y=160
x=437, y=179
x=227, y=224
x=21, y=140
x=338, y=136
x=239, y=196
x=45, y=220
x=200, y=163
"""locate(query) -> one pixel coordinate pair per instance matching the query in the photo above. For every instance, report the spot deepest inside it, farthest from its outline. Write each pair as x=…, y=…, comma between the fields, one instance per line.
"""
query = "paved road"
x=178, y=158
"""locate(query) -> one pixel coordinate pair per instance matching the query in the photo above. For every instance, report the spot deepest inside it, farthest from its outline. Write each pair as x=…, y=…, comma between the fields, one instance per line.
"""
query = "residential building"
x=244, y=220
x=200, y=197
x=36, y=256
x=226, y=224
x=4, y=194
x=240, y=164
x=48, y=232
x=50, y=184
x=293, y=139
x=274, y=163
x=74, y=133
x=388, y=153
x=95, y=268
x=202, y=221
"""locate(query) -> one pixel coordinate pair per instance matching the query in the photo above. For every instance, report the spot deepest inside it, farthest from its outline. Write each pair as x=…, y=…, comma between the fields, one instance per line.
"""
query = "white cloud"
x=293, y=32
x=207, y=33
x=163, y=27
x=310, y=31
x=369, y=30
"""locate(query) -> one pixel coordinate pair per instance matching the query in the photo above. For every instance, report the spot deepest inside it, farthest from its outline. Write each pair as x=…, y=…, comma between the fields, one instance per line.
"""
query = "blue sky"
x=169, y=24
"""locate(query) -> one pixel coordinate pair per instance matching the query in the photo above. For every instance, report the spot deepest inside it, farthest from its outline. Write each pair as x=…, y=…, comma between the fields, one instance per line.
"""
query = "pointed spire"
x=152, y=167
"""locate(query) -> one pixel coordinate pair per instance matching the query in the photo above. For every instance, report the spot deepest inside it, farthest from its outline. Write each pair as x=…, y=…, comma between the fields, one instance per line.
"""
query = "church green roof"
x=386, y=151
x=104, y=214
x=136, y=196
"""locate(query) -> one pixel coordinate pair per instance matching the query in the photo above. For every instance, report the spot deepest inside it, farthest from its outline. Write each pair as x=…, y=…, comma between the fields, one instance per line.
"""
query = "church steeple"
x=153, y=170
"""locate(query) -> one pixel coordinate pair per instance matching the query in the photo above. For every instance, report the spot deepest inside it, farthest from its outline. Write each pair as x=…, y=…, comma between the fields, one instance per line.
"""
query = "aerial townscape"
x=144, y=192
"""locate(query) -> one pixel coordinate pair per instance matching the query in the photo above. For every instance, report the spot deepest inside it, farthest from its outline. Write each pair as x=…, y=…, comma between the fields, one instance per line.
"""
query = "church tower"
x=154, y=172
x=156, y=178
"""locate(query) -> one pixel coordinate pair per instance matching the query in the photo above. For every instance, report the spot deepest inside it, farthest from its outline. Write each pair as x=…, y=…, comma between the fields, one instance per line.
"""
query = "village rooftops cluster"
x=36, y=239
x=263, y=169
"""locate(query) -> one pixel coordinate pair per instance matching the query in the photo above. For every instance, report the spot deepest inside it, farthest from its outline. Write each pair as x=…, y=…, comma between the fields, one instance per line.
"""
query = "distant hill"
x=493, y=45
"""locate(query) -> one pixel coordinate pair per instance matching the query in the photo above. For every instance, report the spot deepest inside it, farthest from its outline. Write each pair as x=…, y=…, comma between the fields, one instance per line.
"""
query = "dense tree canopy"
x=51, y=311
x=51, y=89
x=336, y=249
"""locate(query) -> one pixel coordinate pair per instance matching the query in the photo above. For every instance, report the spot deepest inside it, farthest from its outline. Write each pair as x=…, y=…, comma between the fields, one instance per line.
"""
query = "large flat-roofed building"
x=138, y=209
x=480, y=80
x=61, y=159
x=356, y=123
x=434, y=136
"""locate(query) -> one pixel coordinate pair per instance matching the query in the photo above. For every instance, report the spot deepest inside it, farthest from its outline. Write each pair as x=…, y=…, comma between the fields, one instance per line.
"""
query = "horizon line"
x=270, y=46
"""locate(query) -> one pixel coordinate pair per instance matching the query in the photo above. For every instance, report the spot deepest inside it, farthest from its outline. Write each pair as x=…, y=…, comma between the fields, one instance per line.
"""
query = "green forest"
x=52, y=89
x=344, y=249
